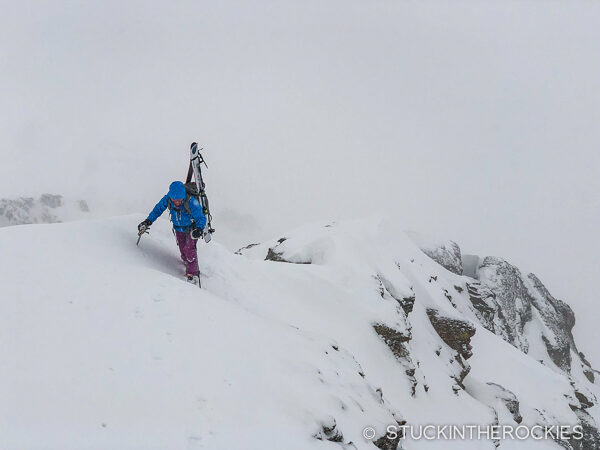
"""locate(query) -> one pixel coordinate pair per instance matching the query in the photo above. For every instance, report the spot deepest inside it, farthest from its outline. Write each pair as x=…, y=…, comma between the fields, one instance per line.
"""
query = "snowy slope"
x=104, y=346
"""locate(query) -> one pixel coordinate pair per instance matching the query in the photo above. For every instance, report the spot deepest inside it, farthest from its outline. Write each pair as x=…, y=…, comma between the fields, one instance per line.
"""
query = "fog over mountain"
x=471, y=121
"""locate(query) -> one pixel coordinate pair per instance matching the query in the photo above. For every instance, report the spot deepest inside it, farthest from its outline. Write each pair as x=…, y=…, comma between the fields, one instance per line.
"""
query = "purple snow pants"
x=187, y=247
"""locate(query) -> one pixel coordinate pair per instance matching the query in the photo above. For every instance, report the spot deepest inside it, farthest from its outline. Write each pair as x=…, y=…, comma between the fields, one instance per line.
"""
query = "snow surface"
x=104, y=346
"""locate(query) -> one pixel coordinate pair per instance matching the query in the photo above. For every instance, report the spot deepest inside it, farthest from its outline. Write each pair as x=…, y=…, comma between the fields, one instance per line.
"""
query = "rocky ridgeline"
x=455, y=294
x=48, y=208
x=521, y=310
x=506, y=301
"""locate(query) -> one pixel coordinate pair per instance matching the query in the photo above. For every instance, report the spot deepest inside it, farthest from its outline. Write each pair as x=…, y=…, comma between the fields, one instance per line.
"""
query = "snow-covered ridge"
x=512, y=306
x=517, y=308
x=109, y=348
x=47, y=208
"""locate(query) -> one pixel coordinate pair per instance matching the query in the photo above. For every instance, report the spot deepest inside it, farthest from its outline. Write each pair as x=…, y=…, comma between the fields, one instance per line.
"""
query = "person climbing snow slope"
x=188, y=225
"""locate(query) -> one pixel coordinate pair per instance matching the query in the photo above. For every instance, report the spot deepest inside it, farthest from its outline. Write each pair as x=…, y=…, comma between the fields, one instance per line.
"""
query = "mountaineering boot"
x=193, y=279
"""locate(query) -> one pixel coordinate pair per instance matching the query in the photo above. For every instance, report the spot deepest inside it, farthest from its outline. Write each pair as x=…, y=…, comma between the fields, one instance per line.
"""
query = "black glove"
x=144, y=225
x=197, y=233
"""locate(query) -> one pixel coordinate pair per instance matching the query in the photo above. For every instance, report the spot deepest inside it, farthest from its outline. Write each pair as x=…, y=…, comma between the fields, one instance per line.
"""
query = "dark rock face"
x=247, y=247
x=394, y=339
x=484, y=304
x=51, y=201
x=504, y=301
x=591, y=435
x=385, y=442
x=407, y=304
x=509, y=399
x=277, y=255
x=447, y=255
x=397, y=343
x=465, y=368
x=274, y=256
x=590, y=373
x=512, y=297
x=455, y=333
x=482, y=298
x=587, y=368
x=559, y=353
x=583, y=400
x=330, y=432
x=560, y=319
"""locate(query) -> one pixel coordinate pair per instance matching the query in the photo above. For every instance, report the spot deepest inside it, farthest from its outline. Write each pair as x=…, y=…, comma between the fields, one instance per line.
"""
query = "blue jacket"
x=181, y=219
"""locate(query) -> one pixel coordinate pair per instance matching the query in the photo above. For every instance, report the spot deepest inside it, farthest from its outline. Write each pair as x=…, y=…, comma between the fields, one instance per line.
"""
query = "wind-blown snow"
x=105, y=346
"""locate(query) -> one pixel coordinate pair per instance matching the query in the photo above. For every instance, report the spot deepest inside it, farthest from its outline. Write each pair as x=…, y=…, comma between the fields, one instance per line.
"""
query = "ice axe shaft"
x=140, y=233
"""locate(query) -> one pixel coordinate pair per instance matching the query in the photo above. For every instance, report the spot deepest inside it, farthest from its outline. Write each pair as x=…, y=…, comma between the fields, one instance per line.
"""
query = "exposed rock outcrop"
x=455, y=333
x=394, y=339
x=330, y=432
x=591, y=435
x=273, y=254
x=447, y=254
x=515, y=306
x=48, y=208
x=398, y=344
x=509, y=399
x=51, y=201
x=387, y=442
x=405, y=301
x=560, y=320
x=483, y=300
x=589, y=373
x=505, y=301
x=512, y=297
x=247, y=247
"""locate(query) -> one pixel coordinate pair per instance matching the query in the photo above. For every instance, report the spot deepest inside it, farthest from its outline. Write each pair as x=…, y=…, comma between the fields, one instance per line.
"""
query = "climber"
x=188, y=225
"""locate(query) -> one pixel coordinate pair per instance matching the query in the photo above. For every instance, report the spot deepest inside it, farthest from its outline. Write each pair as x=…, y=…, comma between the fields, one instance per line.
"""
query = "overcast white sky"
x=471, y=120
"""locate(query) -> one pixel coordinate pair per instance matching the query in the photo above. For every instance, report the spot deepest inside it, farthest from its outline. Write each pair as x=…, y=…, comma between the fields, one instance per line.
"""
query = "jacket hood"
x=176, y=190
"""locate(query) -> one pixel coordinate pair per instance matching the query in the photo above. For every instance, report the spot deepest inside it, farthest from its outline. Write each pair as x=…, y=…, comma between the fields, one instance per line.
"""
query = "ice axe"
x=140, y=233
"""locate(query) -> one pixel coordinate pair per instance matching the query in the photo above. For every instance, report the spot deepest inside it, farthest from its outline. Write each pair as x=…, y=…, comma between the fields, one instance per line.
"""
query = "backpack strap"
x=186, y=204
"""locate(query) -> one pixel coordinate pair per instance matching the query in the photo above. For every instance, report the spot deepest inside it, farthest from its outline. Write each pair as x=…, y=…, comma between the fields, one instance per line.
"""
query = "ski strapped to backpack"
x=196, y=188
